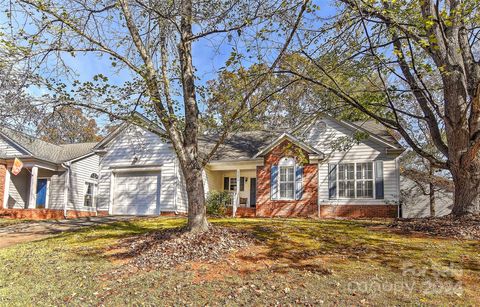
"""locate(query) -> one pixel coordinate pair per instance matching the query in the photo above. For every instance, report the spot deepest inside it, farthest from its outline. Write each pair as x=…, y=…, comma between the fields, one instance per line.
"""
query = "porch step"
x=243, y=212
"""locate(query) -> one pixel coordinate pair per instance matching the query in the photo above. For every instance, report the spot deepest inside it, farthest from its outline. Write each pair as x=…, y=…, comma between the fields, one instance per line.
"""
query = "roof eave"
x=293, y=139
x=16, y=143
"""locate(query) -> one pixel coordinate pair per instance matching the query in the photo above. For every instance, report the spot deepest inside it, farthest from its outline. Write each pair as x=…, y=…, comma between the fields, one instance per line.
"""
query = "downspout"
x=318, y=192
x=66, y=188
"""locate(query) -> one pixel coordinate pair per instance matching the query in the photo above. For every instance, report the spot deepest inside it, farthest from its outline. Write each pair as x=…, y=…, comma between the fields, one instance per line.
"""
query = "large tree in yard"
x=423, y=56
x=66, y=125
x=154, y=42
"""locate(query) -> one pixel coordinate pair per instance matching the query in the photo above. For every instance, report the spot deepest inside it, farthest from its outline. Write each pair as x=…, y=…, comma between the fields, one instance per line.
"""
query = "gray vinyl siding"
x=80, y=173
x=415, y=204
x=103, y=195
x=327, y=141
x=10, y=150
x=19, y=190
x=56, y=191
x=141, y=148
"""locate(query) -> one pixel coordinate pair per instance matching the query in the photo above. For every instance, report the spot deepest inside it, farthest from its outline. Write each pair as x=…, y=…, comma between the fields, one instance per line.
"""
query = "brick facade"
x=3, y=171
x=359, y=211
x=242, y=212
x=305, y=207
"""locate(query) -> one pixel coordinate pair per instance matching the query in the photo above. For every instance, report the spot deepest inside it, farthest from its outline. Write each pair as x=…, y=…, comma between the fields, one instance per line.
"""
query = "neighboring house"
x=56, y=180
x=415, y=198
x=323, y=168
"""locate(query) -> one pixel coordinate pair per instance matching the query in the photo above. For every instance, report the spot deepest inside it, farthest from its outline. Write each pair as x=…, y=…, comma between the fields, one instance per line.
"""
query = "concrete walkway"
x=31, y=231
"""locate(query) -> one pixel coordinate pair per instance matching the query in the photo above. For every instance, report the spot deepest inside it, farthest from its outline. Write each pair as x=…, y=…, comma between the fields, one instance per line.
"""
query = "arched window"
x=286, y=182
x=94, y=176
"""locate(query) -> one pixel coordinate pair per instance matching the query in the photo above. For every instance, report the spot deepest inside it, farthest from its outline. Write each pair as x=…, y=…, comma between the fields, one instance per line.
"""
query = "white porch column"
x=6, y=187
x=32, y=199
x=237, y=194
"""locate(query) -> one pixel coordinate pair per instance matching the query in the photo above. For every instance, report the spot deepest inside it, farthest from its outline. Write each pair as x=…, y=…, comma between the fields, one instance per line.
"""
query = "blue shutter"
x=274, y=182
x=379, y=194
x=298, y=182
x=332, y=181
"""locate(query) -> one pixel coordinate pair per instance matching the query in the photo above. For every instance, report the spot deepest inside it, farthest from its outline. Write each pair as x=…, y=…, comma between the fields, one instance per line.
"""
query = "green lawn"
x=298, y=261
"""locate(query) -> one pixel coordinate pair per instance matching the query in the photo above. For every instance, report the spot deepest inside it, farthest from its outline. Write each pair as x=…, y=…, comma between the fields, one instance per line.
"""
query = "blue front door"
x=41, y=193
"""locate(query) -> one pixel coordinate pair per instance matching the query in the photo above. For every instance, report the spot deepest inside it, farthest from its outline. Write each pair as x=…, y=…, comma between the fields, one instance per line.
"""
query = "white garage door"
x=137, y=193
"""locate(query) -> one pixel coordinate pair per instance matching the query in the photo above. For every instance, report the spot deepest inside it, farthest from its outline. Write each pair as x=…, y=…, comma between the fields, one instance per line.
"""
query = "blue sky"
x=208, y=59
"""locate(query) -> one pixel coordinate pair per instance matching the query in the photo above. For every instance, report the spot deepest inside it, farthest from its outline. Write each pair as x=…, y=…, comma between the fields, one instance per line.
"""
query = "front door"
x=253, y=192
x=41, y=193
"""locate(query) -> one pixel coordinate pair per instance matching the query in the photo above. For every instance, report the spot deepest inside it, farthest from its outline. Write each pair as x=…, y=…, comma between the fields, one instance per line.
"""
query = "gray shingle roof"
x=47, y=151
x=238, y=146
x=379, y=130
x=244, y=145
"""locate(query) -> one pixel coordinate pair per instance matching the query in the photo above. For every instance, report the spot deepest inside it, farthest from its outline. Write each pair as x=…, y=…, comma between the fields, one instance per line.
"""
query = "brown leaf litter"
x=467, y=227
x=172, y=247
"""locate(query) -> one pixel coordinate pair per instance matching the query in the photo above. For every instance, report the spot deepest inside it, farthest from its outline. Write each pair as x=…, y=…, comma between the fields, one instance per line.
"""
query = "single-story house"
x=55, y=181
x=323, y=168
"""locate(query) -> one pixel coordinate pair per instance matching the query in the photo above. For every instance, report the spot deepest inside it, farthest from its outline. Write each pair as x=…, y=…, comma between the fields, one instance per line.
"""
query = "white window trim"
x=355, y=181
x=94, y=193
x=294, y=180
x=230, y=184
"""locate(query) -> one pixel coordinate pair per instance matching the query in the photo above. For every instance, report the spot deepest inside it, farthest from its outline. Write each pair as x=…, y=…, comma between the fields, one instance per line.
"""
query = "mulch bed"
x=467, y=227
x=172, y=247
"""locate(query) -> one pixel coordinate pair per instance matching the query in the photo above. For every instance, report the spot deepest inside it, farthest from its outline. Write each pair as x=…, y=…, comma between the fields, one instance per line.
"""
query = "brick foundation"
x=3, y=171
x=42, y=214
x=358, y=211
x=305, y=207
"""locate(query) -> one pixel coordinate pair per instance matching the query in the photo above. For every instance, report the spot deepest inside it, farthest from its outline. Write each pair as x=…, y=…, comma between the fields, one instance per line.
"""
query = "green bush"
x=217, y=203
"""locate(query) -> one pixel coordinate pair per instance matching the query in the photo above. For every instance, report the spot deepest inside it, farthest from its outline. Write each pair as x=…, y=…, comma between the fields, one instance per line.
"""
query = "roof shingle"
x=47, y=151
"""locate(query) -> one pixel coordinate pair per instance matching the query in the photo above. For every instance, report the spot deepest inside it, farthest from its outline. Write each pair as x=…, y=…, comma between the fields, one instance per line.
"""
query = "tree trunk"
x=467, y=189
x=463, y=158
x=197, y=214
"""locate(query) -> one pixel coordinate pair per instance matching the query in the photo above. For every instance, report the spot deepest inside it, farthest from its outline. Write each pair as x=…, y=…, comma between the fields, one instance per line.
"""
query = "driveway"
x=31, y=231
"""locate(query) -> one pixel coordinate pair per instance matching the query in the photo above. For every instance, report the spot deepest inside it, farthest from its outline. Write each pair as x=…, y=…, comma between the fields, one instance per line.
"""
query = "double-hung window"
x=355, y=180
x=364, y=180
x=346, y=180
x=230, y=184
x=89, y=196
x=286, y=181
x=233, y=184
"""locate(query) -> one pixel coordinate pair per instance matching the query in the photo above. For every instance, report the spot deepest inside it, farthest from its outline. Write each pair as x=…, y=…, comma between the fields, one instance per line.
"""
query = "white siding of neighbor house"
x=149, y=150
x=81, y=172
x=8, y=149
x=325, y=138
x=416, y=204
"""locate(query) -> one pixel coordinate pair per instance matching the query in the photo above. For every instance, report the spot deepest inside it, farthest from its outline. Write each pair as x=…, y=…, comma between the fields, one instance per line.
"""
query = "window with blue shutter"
x=332, y=181
x=274, y=182
x=298, y=182
x=379, y=185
